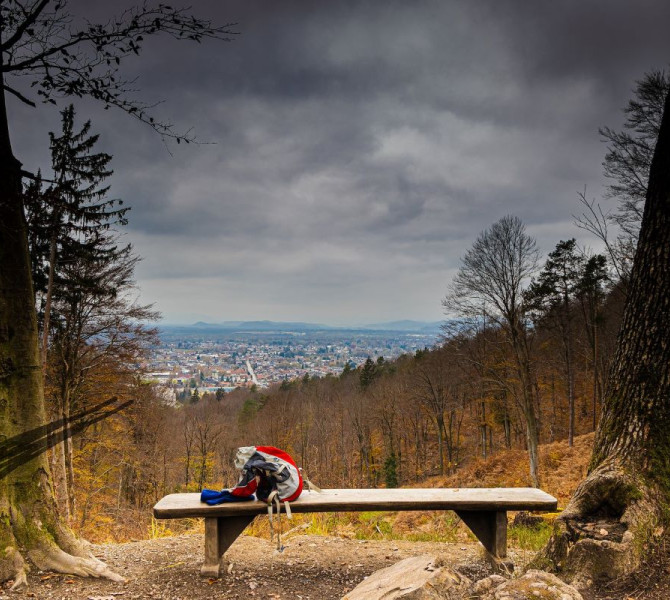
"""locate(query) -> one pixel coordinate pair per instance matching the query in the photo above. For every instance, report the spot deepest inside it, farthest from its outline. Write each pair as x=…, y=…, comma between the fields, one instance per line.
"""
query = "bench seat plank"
x=179, y=506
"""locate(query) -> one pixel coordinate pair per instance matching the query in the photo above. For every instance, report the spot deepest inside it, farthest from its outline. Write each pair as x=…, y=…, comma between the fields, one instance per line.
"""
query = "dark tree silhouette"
x=626, y=165
x=73, y=216
x=41, y=44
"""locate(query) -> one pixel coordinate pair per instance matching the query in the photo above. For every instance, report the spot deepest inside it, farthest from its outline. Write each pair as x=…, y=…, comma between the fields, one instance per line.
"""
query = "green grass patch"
x=529, y=538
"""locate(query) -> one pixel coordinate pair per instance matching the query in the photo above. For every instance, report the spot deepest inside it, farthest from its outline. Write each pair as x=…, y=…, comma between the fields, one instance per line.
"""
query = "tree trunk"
x=69, y=462
x=439, y=426
x=29, y=523
x=47, y=305
x=519, y=344
x=628, y=484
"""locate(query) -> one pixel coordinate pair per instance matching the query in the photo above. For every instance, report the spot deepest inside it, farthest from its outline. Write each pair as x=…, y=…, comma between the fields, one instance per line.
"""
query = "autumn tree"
x=436, y=389
x=490, y=284
x=627, y=488
x=41, y=44
x=98, y=326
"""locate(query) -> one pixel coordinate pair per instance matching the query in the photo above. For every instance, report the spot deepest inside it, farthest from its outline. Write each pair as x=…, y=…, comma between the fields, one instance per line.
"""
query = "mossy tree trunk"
x=627, y=490
x=29, y=523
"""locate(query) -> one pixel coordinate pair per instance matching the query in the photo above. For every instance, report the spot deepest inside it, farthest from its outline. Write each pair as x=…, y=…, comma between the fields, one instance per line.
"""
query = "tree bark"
x=629, y=476
x=29, y=523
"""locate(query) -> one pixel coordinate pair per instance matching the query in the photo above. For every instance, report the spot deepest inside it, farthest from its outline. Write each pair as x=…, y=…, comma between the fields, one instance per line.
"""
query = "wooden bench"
x=483, y=510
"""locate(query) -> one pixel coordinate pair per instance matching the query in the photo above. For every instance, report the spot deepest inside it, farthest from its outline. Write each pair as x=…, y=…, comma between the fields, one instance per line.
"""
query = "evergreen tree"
x=195, y=396
x=71, y=219
x=551, y=295
x=368, y=373
x=346, y=370
x=591, y=295
x=391, y=471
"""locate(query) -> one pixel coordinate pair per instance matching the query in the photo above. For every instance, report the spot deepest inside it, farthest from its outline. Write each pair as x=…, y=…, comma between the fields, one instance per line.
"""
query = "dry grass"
x=561, y=469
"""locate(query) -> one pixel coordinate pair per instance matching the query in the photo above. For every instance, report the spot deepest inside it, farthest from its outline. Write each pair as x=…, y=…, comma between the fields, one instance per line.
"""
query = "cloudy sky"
x=356, y=149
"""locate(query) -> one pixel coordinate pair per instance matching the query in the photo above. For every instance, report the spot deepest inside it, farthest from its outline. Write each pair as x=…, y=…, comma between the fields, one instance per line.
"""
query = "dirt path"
x=311, y=567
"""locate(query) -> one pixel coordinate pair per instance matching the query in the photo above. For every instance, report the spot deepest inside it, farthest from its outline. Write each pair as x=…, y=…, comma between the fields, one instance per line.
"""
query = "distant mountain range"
x=406, y=326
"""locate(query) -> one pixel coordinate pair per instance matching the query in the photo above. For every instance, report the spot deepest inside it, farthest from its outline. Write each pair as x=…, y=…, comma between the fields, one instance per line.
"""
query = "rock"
x=534, y=584
x=483, y=586
x=416, y=578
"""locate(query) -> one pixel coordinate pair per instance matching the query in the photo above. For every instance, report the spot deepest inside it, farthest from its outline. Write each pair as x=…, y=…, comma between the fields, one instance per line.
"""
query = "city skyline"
x=357, y=149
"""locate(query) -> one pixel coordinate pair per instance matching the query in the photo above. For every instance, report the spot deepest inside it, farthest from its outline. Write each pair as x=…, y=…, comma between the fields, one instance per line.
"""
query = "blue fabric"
x=213, y=497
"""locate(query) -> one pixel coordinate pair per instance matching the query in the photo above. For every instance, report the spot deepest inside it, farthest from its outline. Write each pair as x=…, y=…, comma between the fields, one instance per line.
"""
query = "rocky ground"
x=310, y=567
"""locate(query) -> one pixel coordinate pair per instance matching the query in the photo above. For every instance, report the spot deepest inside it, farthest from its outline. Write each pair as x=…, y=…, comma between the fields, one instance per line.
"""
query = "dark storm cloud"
x=359, y=147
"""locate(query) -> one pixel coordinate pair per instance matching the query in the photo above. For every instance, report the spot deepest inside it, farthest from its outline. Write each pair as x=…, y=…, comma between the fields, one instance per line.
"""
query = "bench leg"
x=490, y=527
x=220, y=533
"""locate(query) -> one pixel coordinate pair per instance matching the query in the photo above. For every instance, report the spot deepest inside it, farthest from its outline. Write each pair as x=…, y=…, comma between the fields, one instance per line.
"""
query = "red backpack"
x=268, y=472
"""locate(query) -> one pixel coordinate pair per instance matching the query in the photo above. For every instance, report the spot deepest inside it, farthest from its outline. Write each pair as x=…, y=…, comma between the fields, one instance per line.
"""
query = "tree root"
x=20, y=580
x=14, y=561
x=602, y=533
x=55, y=559
x=40, y=536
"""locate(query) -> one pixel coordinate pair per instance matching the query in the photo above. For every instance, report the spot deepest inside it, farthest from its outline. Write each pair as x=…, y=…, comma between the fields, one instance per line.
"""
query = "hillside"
x=561, y=469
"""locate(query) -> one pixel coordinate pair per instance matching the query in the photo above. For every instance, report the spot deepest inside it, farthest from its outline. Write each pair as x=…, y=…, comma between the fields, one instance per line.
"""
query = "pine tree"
x=71, y=219
x=551, y=295
x=368, y=373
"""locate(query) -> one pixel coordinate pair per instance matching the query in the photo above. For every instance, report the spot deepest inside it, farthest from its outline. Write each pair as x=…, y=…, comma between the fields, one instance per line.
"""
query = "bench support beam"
x=220, y=533
x=490, y=527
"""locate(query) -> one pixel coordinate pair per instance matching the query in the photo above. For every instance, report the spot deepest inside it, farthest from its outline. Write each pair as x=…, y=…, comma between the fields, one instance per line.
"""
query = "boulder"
x=482, y=587
x=533, y=585
x=416, y=578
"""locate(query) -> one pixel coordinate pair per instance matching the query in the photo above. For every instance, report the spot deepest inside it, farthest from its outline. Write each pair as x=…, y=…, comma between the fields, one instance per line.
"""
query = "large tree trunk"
x=627, y=490
x=28, y=515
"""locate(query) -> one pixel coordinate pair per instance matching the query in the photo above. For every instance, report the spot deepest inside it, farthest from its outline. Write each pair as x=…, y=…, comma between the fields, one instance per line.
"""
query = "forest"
x=522, y=360
x=535, y=348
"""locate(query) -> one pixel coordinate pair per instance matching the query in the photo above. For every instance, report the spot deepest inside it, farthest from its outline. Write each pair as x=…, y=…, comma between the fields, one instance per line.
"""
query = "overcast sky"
x=358, y=148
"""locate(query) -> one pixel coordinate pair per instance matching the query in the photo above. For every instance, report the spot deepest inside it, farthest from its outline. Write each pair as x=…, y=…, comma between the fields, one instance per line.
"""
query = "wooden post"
x=220, y=533
x=490, y=527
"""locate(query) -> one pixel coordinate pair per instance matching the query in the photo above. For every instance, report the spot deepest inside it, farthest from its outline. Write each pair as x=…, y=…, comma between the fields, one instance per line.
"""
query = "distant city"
x=204, y=357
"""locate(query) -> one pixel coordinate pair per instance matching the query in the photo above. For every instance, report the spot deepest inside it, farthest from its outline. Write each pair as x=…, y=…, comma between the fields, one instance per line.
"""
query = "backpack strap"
x=274, y=501
x=274, y=498
x=312, y=487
